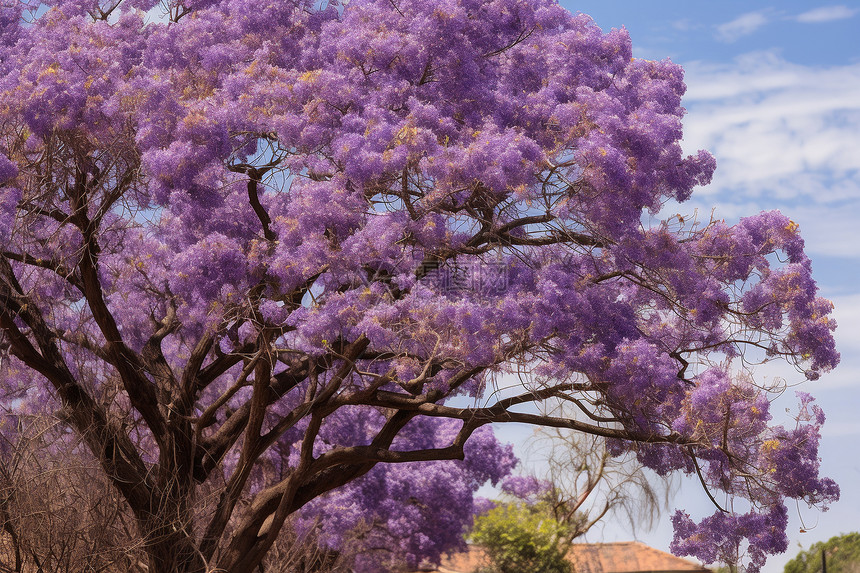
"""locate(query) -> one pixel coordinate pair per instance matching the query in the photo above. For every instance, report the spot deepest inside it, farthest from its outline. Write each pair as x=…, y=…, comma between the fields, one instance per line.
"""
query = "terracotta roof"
x=464, y=562
x=622, y=557
x=626, y=557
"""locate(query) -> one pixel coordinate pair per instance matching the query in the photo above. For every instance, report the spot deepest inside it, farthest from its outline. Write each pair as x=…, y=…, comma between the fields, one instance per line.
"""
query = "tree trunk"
x=169, y=541
x=173, y=551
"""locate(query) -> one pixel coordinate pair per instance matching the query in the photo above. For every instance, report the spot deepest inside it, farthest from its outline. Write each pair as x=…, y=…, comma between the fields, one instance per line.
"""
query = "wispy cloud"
x=743, y=25
x=827, y=14
x=783, y=134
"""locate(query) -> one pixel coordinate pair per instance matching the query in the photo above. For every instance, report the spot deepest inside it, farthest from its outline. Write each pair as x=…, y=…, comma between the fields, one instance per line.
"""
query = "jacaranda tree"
x=260, y=245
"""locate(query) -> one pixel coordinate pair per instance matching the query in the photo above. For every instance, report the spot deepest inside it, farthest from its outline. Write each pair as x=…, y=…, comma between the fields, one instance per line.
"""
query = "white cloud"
x=783, y=134
x=831, y=231
x=826, y=14
x=743, y=25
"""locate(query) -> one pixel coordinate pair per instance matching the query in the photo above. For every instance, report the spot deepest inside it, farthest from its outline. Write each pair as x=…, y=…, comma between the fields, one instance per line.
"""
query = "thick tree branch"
x=56, y=267
x=210, y=450
x=104, y=437
x=128, y=364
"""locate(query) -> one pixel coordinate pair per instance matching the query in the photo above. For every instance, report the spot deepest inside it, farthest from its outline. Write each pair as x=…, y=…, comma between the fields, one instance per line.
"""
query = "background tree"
x=532, y=527
x=522, y=534
x=586, y=482
x=250, y=256
x=841, y=552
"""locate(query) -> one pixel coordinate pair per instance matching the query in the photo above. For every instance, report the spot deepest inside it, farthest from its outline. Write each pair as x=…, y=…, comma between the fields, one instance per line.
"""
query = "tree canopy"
x=841, y=554
x=269, y=260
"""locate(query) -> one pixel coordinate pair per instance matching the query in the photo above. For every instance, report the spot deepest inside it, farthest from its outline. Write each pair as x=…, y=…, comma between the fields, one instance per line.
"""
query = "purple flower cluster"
x=409, y=513
x=727, y=538
x=526, y=488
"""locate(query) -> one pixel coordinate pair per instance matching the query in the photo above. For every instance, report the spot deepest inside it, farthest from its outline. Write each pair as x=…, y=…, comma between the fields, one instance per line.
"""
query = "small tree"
x=840, y=553
x=586, y=482
x=519, y=536
x=539, y=519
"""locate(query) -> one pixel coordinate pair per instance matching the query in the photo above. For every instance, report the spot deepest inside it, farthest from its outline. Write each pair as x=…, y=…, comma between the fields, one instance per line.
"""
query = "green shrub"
x=520, y=537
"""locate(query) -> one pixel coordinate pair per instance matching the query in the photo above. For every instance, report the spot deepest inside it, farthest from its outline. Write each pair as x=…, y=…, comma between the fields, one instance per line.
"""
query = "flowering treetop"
x=271, y=240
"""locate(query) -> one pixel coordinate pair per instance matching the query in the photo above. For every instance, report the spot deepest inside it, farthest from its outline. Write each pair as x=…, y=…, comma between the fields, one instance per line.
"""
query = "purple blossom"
x=527, y=488
x=728, y=537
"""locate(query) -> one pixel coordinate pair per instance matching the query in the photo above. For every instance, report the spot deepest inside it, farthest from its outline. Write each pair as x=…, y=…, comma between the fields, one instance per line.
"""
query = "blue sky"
x=774, y=94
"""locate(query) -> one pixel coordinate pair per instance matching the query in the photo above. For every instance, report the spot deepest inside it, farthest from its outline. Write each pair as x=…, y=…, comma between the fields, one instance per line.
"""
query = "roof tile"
x=619, y=557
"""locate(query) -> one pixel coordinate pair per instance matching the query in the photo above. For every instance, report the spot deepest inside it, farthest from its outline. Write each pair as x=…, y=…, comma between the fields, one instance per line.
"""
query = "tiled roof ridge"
x=611, y=543
x=611, y=556
x=629, y=557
